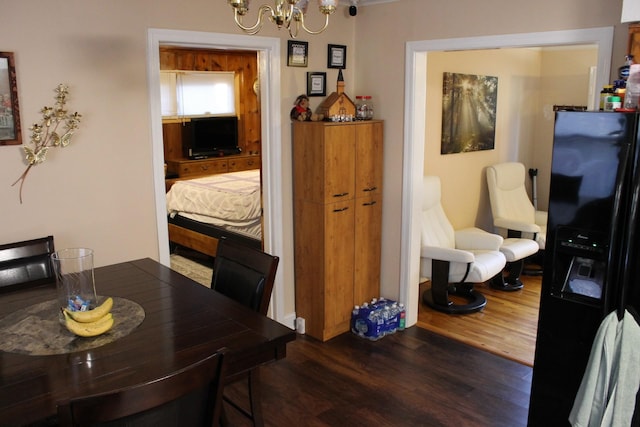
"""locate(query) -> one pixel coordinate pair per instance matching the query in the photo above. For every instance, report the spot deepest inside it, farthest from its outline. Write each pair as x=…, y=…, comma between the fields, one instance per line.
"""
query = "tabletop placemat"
x=36, y=330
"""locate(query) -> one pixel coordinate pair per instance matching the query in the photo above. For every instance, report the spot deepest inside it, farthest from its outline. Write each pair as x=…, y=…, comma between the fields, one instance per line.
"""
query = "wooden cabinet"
x=195, y=168
x=633, y=46
x=337, y=174
x=237, y=164
x=188, y=169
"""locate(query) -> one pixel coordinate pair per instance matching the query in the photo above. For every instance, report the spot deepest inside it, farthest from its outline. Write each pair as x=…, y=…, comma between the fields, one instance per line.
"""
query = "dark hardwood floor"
x=416, y=377
x=412, y=378
x=507, y=326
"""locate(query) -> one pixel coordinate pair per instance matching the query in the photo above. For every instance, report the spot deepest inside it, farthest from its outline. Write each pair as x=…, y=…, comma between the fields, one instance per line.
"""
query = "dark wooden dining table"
x=183, y=322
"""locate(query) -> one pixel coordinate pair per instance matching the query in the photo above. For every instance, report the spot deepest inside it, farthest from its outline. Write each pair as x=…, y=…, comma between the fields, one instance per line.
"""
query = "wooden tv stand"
x=184, y=168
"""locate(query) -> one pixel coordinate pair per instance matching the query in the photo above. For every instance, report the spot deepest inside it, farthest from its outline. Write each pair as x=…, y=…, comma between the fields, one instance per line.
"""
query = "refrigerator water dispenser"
x=585, y=277
x=579, y=265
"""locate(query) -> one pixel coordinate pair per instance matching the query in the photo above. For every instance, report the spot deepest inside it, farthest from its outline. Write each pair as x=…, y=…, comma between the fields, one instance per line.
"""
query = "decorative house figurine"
x=338, y=104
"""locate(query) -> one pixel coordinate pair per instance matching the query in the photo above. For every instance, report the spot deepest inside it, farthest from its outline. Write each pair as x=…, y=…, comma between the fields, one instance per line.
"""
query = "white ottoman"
x=515, y=250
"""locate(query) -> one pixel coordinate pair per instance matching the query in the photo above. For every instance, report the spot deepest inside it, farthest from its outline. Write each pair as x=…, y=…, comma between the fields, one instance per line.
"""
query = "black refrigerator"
x=591, y=262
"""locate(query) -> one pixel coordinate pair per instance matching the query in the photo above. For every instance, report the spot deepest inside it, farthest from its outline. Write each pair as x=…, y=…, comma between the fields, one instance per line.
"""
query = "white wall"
x=462, y=174
x=98, y=192
x=416, y=20
x=530, y=82
x=565, y=75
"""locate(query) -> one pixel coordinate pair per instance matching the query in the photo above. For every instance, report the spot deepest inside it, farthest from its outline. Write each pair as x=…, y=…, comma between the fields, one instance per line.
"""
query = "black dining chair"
x=246, y=275
x=191, y=396
x=26, y=263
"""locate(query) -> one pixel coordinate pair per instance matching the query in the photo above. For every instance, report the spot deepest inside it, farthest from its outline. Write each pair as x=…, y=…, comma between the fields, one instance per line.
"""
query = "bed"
x=203, y=210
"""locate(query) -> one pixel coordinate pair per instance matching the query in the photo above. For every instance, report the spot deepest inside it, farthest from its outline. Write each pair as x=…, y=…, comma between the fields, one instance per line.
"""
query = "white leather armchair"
x=515, y=216
x=511, y=208
x=454, y=260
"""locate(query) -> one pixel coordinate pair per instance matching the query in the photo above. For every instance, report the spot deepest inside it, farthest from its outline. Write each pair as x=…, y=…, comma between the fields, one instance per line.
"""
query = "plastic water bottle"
x=375, y=323
x=623, y=72
x=387, y=328
x=633, y=88
x=377, y=318
x=361, y=325
x=402, y=317
x=391, y=319
x=354, y=317
x=396, y=315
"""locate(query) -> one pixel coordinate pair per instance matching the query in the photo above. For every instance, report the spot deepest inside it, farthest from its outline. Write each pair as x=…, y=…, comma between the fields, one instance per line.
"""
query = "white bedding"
x=230, y=199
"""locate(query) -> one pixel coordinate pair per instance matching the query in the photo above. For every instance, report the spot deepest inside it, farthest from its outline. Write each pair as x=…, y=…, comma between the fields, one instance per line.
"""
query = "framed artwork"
x=468, y=113
x=10, y=133
x=316, y=84
x=337, y=56
x=298, y=53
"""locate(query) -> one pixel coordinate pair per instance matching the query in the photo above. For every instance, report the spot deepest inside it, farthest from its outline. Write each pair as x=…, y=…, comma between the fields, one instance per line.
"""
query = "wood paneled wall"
x=245, y=66
x=633, y=47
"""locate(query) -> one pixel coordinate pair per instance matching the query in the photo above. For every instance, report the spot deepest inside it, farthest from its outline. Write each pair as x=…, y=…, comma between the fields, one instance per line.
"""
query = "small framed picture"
x=10, y=130
x=316, y=84
x=298, y=53
x=337, y=56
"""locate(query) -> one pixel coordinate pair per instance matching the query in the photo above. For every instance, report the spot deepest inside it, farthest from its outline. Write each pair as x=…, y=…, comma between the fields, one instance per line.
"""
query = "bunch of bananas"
x=90, y=323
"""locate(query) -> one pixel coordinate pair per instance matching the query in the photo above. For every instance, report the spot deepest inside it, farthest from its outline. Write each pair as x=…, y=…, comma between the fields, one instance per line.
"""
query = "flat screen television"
x=212, y=137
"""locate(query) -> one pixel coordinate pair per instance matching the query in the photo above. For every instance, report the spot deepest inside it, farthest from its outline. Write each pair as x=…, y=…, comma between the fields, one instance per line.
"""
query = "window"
x=168, y=97
x=197, y=93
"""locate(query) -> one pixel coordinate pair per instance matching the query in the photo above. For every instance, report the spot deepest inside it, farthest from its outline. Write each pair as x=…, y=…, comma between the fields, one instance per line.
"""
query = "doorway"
x=268, y=49
x=415, y=130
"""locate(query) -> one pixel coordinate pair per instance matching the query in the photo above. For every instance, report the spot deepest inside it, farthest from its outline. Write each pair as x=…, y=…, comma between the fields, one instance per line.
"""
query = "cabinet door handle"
x=369, y=203
x=204, y=167
x=340, y=194
x=370, y=189
x=340, y=209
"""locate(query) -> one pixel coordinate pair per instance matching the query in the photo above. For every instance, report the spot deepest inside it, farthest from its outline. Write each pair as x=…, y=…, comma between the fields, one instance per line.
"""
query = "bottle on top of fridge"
x=623, y=72
x=633, y=88
x=607, y=90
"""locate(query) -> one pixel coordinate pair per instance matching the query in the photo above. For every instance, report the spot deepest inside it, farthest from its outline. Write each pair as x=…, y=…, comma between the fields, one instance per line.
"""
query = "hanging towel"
x=607, y=394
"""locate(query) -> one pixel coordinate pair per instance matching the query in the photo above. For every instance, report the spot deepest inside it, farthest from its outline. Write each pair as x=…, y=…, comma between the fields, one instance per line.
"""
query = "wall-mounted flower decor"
x=45, y=134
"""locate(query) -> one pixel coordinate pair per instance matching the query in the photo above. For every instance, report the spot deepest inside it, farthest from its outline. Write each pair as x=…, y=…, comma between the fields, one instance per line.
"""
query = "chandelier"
x=285, y=13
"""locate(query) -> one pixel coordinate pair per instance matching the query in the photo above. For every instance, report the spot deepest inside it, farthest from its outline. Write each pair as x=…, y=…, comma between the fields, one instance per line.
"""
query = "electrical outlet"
x=300, y=325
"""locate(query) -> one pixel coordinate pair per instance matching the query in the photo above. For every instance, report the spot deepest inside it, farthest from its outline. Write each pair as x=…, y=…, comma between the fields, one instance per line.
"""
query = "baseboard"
x=290, y=320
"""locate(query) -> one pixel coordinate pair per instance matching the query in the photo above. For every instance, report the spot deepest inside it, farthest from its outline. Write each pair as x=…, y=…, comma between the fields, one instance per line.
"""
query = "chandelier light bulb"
x=302, y=5
x=327, y=6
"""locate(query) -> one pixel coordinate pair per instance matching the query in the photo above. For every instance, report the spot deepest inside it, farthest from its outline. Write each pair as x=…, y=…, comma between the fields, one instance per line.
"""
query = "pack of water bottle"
x=377, y=318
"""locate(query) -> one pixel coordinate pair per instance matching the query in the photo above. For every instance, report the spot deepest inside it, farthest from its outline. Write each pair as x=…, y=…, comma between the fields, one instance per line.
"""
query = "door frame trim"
x=268, y=49
x=416, y=54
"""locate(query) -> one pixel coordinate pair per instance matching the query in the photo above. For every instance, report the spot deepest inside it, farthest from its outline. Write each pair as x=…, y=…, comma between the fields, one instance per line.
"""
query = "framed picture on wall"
x=298, y=53
x=475, y=130
x=336, y=56
x=316, y=84
x=10, y=133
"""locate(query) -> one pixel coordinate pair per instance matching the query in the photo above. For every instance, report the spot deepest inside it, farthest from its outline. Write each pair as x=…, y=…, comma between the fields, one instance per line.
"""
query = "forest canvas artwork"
x=468, y=112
